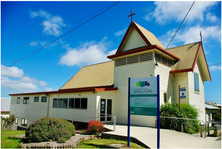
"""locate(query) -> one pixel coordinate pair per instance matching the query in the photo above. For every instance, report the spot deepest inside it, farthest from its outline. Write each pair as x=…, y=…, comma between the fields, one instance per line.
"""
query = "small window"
x=84, y=103
x=71, y=103
x=196, y=82
x=16, y=120
x=55, y=103
x=36, y=99
x=26, y=100
x=165, y=97
x=44, y=99
x=18, y=100
x=64, y=103
x=24, y=122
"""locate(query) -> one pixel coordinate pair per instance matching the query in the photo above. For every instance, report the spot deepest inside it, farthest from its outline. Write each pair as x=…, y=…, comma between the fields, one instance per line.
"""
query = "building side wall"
x=197, y=98
x=166, y=84
x=82, y=115
x=32, y=111
x=134, y=40
x=121, y=75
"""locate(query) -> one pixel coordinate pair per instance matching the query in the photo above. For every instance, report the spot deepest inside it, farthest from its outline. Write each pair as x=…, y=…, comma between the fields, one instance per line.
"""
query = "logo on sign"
x=142, y=83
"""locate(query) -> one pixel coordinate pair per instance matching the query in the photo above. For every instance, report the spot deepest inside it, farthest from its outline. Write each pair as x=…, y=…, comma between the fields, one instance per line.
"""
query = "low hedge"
x=50, y=129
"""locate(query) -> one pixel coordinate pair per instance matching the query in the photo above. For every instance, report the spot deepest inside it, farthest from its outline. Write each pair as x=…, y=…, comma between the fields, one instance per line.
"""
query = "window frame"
x=196, y=83
x=43, y=100
x=24, y=122
x=59, y=103
x=35, y=99
x=18, y=100
x=16, y=120
x=26, y=100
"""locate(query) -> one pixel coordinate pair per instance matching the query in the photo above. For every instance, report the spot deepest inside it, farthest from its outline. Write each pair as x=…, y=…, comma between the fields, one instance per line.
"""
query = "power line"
x=61, y=36
x=54, y=32
x=180, y=24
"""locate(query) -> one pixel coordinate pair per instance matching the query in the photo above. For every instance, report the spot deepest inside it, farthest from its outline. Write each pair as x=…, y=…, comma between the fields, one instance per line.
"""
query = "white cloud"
x=86, y=53
x=14, y=79
x=192, y=34
x=211, y=17
x=12, y=72
x=119, y=33
x=112, y=52
x=215, y=68
x=52, y=25
x=168, y=11
x=33, y=43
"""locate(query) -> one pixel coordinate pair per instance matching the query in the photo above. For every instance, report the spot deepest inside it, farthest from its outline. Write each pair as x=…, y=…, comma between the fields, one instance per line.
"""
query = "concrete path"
x=168, y=138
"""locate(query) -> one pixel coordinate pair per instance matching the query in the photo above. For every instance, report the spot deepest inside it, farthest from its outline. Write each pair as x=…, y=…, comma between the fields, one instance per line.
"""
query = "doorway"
x=105, y=109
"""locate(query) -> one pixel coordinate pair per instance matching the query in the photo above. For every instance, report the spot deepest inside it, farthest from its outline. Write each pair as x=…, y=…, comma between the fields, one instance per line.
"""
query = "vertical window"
x=26, y=100
x=18, y=100
x=77, y=103
x=196, y=82
x=84, y=103
x=24, y=122
x=165, y=97
x=64, y=103
x=44, y=99
x=36, y=99
x=16, y=120
x=55, y=103
x=71, y=103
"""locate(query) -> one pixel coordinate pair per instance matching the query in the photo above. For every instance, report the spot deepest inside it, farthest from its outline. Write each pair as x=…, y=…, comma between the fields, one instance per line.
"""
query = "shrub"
x=8, y=122
x=185, y=111
x=95, y=128
x=47, y=128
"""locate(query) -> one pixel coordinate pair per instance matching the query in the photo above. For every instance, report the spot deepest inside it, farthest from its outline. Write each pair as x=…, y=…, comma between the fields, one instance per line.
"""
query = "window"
x=71, y=103
x=36, y=99
x=26, y=100
x=44, y=99
x=164, y=97
x=18, y=100
x=196, y=82
x=24, y=122
x=16, y=120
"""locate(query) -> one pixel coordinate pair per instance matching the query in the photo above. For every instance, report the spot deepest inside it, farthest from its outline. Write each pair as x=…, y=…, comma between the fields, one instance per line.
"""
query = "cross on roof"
x=131, y=15
x=200, y=36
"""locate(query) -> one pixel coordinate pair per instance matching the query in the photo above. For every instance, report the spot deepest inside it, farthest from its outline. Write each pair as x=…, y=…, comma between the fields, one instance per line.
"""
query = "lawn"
x=104, y=143
x=7, y=142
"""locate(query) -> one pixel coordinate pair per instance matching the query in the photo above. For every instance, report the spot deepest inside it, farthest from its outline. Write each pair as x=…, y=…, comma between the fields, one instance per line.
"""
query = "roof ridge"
x=184, y=45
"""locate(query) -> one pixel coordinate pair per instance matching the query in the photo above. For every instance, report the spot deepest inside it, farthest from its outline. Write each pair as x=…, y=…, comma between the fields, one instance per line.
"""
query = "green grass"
x=104, y=143
x=7, y=142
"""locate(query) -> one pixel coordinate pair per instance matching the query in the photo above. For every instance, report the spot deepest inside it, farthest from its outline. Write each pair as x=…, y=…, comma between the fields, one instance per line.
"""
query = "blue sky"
x=36, y=24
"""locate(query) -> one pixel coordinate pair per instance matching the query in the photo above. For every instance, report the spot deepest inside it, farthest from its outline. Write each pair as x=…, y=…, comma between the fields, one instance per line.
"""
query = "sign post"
x=143, y=99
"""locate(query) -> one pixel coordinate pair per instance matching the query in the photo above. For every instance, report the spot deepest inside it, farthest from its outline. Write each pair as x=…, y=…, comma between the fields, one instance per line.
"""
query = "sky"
x=26, y=27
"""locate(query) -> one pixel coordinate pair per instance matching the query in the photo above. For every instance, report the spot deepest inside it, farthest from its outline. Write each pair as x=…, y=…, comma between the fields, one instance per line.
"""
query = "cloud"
x=86, y=53
x=191, y=34
x=211, y=17
x=215, y=68
x=119, y=33
x=14, y=79
x=52, y=24
x=168, y=11
x=12, y=72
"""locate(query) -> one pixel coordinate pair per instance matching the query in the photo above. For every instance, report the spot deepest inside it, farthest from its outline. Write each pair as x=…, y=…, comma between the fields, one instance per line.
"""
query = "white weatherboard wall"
x=165, y=83
x=32, y=111
x=82, y=115
x=121, y=75
x=134, y=40
x=197, y=98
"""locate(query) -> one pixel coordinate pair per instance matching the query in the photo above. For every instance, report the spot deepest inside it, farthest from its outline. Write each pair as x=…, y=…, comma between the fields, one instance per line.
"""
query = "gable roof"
x=101, y=74
x=148, y=37
x=189, y=55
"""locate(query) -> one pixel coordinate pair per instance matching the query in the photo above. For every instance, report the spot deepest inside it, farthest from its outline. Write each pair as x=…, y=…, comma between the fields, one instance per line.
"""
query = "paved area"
x=168, y=138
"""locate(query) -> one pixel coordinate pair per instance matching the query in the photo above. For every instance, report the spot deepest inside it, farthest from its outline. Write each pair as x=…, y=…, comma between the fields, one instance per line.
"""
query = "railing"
x=203, y=122
x=96, y=117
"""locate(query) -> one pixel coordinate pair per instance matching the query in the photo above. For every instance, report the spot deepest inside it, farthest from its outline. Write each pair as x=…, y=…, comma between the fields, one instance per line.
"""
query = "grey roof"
x=5, y=104
x=211, y=107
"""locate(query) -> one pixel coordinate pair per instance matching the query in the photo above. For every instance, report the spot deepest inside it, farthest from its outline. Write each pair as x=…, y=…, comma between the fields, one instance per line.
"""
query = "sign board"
x=183, y=92
x=143, y=96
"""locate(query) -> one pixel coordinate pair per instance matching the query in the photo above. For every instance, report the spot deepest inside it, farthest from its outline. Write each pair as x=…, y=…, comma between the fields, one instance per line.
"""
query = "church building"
x=103, y=88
